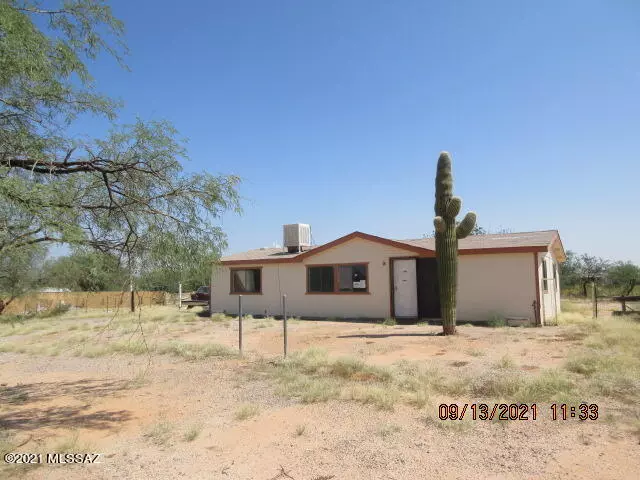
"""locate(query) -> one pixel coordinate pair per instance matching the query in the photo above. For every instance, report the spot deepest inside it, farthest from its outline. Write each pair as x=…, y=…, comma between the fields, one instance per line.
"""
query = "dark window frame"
x=336, y=279
x=231, y=286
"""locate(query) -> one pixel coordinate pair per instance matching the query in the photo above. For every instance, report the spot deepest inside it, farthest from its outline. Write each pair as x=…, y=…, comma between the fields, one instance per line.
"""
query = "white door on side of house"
x=405, y=288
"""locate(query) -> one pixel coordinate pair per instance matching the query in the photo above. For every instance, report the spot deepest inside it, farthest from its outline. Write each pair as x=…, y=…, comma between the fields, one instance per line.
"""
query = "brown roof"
x=496, y=240
x=261, y=254
x=493, y=243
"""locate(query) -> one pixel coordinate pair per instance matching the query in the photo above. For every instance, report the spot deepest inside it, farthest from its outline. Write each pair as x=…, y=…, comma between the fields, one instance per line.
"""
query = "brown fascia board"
x=478, y=251
x=425, y=252
x=371, y=238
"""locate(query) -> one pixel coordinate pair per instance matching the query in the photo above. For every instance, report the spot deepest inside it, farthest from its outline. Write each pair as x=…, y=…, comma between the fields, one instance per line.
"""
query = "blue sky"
x=334, y=112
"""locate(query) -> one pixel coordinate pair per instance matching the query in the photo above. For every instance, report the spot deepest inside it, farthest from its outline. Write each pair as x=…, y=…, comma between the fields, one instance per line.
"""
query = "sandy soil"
x=137, y=411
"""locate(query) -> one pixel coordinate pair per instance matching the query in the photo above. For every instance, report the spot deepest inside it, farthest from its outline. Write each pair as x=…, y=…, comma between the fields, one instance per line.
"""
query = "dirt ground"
x=153, y=415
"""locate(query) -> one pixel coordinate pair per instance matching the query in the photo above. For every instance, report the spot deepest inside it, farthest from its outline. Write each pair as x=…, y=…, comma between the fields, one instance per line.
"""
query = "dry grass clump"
x=312, y=377
x=549, y=385
x=160, y=433
x=382, y=396
x=608, y=363
x=246, y=411
x=453, y=427
x=197, y=351
x=84, y=345
x=505, y=362
x=192, y=433
x=316, y=362
x=387, y=430
x=475, y=352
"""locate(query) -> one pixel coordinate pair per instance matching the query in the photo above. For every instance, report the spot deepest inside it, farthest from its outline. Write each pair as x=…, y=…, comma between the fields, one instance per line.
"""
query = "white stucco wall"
x=290, y=279
x=500, y=284
x=488, y=284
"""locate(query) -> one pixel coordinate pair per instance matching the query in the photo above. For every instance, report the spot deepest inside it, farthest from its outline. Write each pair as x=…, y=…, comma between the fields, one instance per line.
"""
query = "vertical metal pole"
x=211, y=292
x=593, y=299
x=133, y=301
x=179, y=296
x=284, y=322
x=240, y=323
x=595, y=296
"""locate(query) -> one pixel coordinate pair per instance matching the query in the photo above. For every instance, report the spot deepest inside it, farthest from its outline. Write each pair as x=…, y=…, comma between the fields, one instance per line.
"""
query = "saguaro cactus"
x=447, y=234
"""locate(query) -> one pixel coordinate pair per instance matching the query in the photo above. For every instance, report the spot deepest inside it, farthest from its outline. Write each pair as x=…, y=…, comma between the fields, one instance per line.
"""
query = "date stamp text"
x=516, y=411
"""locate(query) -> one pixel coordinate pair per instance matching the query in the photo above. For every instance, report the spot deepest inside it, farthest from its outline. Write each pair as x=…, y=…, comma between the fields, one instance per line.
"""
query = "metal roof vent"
x=296, y=237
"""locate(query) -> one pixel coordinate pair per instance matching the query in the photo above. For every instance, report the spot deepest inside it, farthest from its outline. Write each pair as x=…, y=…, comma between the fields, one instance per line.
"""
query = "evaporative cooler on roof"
x=296, y=237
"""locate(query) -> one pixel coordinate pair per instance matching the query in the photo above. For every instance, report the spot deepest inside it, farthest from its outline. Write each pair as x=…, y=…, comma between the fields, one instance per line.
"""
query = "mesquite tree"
x=122, y=193
x=447, y=234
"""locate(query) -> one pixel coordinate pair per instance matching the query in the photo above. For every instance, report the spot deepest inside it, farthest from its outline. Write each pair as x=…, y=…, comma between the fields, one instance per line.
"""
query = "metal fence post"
x=133, y=298
x=211, y=279
x=240, y=323
x=179, y=296
x=284, y=322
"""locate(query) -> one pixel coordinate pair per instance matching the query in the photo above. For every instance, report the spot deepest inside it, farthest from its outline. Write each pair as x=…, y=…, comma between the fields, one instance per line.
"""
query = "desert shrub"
x=496, y=321
x=246, y=411
x=192, y=433
x=56, y=311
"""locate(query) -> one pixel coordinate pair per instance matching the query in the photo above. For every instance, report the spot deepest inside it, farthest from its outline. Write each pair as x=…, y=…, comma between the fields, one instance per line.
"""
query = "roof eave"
x=555, y=246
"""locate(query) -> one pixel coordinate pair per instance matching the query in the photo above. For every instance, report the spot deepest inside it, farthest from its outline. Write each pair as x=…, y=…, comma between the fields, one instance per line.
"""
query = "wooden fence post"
x=211, y=279
x=240, y=323
x=284, y=322
x=179, y=296
x=133, y=300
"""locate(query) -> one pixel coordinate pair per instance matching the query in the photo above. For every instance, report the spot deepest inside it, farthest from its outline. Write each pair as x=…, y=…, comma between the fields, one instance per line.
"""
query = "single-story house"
x=509, y=276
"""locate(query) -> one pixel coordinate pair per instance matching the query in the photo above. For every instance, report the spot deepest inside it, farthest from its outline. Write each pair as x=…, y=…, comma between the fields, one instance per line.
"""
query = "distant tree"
x=19, y=273
x=110, y=193
x=85, y=270
x=570, y=270
x=190, y=263
x=478, y=230
x=591, y=268
x=623, y=276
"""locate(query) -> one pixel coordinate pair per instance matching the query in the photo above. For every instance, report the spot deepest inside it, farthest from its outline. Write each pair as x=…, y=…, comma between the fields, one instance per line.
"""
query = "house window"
x=545, y=285
x=337, y=279
x=246, y=280
x=320, y=279
x=352, y=278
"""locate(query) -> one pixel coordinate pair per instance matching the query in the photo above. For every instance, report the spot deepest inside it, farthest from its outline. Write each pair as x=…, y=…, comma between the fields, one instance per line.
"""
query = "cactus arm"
x=465, y=227
x=453, y=207
x=439, y=224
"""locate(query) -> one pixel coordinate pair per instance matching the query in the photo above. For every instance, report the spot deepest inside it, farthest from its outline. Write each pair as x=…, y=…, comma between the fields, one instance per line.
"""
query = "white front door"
x=405, y=288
